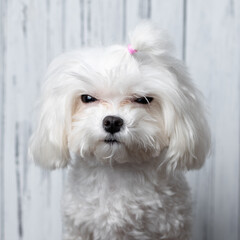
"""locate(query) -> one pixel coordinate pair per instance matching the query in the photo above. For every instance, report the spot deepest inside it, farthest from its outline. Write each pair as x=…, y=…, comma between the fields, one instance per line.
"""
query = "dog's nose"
x=112, y=124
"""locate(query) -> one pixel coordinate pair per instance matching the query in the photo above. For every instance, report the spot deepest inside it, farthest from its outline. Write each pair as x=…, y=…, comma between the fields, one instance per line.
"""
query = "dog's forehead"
x=117, y=83
x=114, y=70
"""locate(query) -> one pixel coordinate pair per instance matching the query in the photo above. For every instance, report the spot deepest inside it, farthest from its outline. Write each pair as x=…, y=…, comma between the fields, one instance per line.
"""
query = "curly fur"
x=133, y=189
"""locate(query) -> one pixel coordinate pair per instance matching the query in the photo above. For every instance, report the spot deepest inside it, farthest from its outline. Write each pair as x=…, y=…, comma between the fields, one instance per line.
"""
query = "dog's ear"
x=187, y=128
x=48, y=144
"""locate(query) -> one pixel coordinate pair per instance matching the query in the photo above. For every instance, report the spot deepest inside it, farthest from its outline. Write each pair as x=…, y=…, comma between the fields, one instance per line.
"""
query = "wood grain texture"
x=2, y=107
x=41, y=205
x=170, y=15
x=213, y=55
x=33, y=32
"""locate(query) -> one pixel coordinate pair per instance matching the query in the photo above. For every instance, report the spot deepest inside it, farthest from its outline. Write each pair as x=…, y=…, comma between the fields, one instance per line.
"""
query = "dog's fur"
x=133, y=187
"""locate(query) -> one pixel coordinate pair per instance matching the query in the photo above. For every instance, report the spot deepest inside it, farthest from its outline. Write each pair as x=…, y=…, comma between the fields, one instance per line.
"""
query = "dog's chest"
x=110, y=188
x=123, y=199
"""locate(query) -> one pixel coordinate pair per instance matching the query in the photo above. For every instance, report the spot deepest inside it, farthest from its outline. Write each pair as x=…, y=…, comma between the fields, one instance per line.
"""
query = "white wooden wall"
x=207, y=36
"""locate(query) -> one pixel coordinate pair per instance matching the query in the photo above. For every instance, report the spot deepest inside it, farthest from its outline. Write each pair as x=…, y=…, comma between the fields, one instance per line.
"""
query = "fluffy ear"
x=48, y=144
x=188, y=131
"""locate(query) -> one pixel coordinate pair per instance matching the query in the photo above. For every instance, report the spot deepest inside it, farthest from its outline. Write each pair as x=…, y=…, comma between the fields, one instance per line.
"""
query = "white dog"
x=128, y=122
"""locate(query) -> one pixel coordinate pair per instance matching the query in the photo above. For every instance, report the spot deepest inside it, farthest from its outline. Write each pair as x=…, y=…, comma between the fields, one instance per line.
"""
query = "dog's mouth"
x=111, y=140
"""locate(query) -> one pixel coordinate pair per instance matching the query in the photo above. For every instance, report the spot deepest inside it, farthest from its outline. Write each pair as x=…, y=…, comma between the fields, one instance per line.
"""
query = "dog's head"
x=121, y=104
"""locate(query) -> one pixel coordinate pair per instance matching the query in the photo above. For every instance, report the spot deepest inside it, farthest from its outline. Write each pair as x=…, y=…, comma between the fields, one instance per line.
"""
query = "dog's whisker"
x=81, y=150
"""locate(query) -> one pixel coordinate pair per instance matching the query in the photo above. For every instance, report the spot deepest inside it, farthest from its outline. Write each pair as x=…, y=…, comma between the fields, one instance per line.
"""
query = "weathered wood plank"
x=213, y=54
x=170, y=16
x=107, y=22
x=33, y=34
x=2, y=108
x=13, y=75
x=41, y=191
x=72, y=24
x=93, y=23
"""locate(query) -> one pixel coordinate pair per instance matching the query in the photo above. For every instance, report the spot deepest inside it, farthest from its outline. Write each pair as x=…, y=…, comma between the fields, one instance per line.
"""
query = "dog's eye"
x=143, y=100
x=87, y=98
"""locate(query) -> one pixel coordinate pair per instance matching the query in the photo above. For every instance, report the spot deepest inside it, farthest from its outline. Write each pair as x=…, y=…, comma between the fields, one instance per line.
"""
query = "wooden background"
x=32, y=32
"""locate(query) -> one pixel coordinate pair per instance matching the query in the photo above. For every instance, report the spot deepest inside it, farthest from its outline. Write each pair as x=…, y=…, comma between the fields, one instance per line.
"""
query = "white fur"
x=134, y=189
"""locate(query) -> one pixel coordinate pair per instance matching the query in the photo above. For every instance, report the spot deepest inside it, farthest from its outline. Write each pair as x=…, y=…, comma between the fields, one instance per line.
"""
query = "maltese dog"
x=128, y=122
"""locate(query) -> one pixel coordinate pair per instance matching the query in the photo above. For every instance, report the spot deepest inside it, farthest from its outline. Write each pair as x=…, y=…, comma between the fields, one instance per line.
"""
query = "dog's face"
x=118, y=117
x=114, y=106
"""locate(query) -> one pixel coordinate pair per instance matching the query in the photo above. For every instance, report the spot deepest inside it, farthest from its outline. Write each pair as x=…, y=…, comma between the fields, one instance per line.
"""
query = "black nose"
x=112, y=124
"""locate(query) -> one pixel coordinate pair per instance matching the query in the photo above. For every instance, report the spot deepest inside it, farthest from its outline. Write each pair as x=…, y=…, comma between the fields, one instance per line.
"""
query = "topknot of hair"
x=148, y=38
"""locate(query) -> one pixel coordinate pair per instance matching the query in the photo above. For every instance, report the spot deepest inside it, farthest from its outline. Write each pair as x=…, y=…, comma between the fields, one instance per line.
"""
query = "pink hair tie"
x=131, y=50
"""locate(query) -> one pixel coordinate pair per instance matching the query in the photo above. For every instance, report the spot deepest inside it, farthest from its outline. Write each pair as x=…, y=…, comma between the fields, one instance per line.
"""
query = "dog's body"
x=127, y=122
x=125, y=202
